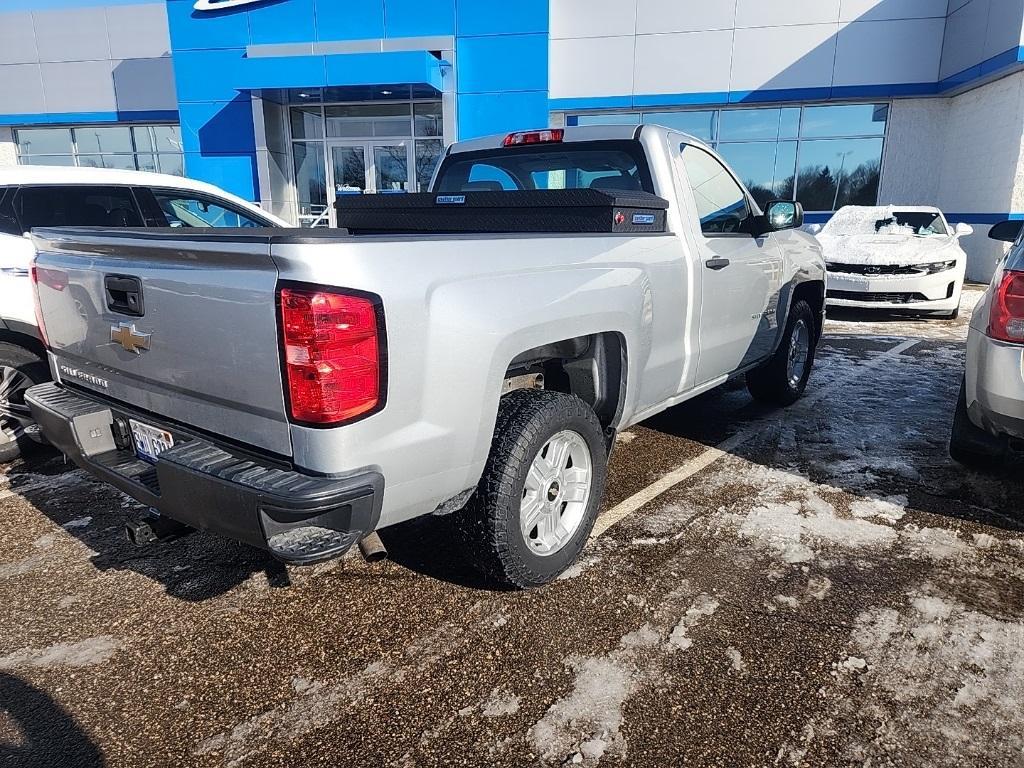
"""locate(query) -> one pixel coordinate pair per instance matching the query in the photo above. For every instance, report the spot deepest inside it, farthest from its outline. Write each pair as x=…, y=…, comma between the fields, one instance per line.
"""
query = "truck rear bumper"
x=299, y=518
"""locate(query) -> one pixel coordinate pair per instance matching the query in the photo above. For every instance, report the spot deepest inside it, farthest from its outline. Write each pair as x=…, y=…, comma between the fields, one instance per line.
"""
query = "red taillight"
x=1006, y=321
x=548, y=136
x=332, y=355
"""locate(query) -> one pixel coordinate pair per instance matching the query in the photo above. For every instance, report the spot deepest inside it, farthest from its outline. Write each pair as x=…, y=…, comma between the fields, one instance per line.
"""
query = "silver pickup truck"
x=473, y=349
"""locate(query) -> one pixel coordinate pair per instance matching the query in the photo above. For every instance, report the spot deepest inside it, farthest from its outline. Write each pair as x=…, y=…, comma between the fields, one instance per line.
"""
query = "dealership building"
x=291, y=102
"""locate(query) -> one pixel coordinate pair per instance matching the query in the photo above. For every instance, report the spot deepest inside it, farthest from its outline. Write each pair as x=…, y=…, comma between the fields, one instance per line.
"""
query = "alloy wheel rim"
x=799, y=353
x=15, y=416
x=556, y=493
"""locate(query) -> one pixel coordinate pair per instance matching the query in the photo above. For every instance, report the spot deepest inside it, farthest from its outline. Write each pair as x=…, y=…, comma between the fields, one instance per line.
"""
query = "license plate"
x=150, y=442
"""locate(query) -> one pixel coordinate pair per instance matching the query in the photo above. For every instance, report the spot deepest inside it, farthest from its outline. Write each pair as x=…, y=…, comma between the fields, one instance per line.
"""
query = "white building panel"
x=1004, y=27
x=601, y=66
x=760, y=13
x=875, y=53
x=966, y=30
x=784, y=57
x=881, y=10
x=654, y=16
x=687, y=62
x=592, y=18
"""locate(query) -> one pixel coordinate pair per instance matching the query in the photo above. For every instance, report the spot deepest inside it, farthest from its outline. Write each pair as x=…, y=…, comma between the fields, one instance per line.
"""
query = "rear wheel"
x=20, y=369
x=539, y=495
x=970, y=445
x=783, y=379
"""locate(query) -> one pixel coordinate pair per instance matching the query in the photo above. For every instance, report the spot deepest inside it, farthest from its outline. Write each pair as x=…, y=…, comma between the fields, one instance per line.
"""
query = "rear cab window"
x=604, y=165
x=79, y=205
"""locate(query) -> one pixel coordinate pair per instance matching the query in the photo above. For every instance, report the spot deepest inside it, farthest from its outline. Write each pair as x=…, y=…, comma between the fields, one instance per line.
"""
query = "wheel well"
x=592, y=367
x=813, y=293
x=23, y=340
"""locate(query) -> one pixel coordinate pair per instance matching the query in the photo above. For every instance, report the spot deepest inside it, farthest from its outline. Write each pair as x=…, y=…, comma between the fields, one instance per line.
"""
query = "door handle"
x=717, y=264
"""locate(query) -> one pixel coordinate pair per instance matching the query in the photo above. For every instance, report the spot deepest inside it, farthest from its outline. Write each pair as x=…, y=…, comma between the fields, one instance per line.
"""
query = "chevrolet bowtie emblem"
x=129, y=338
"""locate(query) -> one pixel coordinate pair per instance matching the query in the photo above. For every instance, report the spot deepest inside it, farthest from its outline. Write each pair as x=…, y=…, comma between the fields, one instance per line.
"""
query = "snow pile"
x=585, y=725
x=947, y=681
x=85, y=653
x=500, y=704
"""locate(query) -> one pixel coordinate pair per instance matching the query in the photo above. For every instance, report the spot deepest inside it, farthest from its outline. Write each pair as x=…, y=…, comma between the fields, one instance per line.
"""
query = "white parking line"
x=627, y=507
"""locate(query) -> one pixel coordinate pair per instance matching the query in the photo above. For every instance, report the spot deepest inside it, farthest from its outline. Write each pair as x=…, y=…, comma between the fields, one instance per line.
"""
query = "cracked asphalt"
x=831, y=590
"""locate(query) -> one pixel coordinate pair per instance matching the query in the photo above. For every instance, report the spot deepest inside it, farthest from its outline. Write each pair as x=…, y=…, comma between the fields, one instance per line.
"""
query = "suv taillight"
x=333, y=343
x=1006, y=321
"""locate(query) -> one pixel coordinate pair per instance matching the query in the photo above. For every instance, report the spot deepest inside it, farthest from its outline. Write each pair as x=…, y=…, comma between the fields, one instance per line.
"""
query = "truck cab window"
x=721, y=203
x=183, y=210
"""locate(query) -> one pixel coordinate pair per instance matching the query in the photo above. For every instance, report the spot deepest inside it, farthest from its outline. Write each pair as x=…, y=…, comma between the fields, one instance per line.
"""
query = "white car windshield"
x=883, y=220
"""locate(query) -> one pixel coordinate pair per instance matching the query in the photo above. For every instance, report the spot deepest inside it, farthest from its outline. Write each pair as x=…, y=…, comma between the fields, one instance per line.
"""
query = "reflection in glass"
x=748, y=124
x=391, y=163
x=157, y=138
x=44, y=141
x=310, y=183
x=365, y=120
x=96, y=140
x=838, y=172
x=789, y=123
x=700, y=125
x=121, y=162
x=625, y=118
x=766, y=168
x=307, y=123
x=47, y=160
x=349, y=169
x=428, y=153
x=427, y=117
x=845, y=120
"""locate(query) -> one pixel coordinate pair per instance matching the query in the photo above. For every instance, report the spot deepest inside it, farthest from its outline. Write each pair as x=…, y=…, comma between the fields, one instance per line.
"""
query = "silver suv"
x=989, y=424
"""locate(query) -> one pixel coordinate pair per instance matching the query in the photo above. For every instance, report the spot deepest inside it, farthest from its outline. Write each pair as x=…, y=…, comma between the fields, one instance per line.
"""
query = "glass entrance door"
x=367, y=167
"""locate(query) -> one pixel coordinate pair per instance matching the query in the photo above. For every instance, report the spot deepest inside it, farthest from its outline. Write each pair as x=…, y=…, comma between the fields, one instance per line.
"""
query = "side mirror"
x=783, y=214
x=963, y=230
x=1006, y=231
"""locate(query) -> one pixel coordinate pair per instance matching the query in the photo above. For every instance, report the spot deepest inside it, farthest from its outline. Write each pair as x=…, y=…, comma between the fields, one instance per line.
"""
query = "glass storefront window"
x=838, y=172
x=307, y=122
x=44, y=141
x=845, y=120
x=97, y=140
x=310, y=182
x=700, y=125
x=364, y=120
x=427, y=118
x=839, y=146
x=136, y=147
x=428, y=154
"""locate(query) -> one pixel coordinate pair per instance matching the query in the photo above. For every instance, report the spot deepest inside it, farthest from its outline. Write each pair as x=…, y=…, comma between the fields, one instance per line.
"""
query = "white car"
x=35, y=196
x=896, y=258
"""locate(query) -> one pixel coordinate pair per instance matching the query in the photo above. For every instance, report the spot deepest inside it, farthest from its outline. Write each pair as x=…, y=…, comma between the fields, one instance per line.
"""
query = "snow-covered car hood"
x=888, y=249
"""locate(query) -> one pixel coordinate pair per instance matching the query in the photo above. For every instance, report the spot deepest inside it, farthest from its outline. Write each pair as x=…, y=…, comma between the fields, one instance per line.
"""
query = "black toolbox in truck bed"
x=542, y=210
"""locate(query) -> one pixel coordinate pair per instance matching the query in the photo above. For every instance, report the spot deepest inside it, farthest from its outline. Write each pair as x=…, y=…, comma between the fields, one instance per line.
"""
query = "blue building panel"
x=207, y=75
x=485, y=18
x=193, y=30
x=503, y=63
x=348, y=19
x=481, y=114
x=236, y=173
x=292, y=21
x=218, y=127
x=417, y=18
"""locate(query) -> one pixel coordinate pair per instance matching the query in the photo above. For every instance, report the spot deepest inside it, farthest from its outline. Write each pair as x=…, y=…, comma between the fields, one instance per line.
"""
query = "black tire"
x=970, y=445
x=33, y=370
x=490, y=522
x=771, y=382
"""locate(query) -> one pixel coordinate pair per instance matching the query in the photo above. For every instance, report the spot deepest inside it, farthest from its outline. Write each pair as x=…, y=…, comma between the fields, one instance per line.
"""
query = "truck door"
x=741, y=275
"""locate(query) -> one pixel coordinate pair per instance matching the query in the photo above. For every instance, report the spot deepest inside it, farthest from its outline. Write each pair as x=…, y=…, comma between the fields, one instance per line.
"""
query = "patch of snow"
x=786, y=600
x=702, y=607
x=984, y=540
x=818, y=588
x=79, y=522
x=739, y=666
x=891, y=508
x=935, y=543
x=500, y=703
x=44, y=542
x=578, y=568
x=625, y=437
x=854, y=665
x=85, y=653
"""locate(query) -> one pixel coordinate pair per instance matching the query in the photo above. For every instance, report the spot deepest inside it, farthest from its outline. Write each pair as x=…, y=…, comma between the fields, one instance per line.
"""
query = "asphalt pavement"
x=813, y=586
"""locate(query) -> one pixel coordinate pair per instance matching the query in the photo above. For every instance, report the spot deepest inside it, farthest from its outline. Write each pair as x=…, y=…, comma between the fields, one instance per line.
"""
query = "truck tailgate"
x=197, y=345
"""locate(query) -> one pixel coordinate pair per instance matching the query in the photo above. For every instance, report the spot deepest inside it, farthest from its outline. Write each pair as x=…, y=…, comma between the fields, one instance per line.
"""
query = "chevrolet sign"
x=220, y=5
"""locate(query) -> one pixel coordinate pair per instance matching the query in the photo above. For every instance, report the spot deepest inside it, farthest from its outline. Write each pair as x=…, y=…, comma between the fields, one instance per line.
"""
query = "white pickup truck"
x=473, y=349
